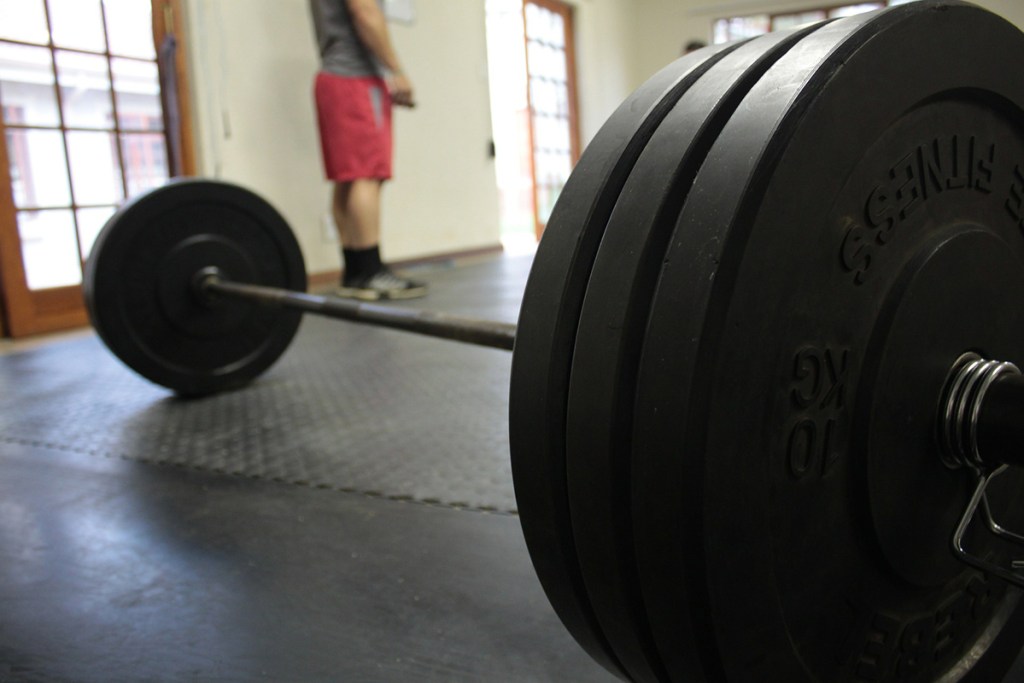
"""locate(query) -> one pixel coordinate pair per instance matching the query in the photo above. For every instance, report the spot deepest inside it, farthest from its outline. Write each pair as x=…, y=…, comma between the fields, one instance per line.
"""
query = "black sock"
x=360, y=264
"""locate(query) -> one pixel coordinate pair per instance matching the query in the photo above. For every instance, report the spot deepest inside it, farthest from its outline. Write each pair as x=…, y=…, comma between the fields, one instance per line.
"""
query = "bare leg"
x=356, y=209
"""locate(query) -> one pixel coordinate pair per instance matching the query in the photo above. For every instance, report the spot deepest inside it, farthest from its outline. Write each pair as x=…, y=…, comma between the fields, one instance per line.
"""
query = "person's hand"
x=401, y=90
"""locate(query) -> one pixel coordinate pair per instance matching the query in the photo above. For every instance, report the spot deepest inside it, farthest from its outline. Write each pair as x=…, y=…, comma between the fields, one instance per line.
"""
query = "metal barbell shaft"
x=980, y=424
x=980, y=429
x=459, y=328
x=1001, y=421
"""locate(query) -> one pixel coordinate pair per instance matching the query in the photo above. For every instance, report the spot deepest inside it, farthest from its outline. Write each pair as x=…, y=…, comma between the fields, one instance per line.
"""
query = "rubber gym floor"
x=349, y=516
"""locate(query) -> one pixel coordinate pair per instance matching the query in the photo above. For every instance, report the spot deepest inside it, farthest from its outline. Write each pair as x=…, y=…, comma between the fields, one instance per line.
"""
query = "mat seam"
x=366, y=493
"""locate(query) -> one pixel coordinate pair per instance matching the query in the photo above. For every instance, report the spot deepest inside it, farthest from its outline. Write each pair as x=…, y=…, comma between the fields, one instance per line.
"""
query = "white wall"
x=252, y=65
x=605, y=38
x=444, y=197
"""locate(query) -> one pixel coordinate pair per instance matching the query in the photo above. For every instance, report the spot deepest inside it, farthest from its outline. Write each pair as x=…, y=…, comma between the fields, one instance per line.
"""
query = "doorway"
x=84, y=128
x=531, y=63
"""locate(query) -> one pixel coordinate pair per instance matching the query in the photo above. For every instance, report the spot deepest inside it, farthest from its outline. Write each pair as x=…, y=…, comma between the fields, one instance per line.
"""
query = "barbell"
x=763, y=417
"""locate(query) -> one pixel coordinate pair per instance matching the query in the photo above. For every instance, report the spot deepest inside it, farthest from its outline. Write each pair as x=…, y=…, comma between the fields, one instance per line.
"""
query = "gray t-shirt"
x=341, y=51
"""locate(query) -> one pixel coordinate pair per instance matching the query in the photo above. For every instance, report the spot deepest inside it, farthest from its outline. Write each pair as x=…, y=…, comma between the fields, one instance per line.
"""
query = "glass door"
x=83, y=129
x=554, y=128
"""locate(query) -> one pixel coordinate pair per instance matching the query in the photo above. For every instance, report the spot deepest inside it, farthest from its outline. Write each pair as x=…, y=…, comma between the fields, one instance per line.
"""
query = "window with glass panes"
x=748, y=26
x=552, y=100
x=83, y=123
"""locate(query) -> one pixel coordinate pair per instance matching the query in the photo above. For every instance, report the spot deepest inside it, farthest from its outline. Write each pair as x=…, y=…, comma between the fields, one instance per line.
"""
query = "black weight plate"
x=854, y=229
x=139, y=285
x=546, y=332
x=611, y=328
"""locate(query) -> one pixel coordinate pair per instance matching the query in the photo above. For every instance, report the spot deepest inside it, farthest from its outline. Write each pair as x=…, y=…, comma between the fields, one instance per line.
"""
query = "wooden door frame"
x=169, y=18
x=11, y=268
x=568, y=13
x=25, y=312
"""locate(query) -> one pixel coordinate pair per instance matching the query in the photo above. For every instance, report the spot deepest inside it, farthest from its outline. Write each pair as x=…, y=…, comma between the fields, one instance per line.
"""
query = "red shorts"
x=355, y=126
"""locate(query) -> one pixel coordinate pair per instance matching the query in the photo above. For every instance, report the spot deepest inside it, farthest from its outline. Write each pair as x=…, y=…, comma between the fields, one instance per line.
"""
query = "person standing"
x=360, y=78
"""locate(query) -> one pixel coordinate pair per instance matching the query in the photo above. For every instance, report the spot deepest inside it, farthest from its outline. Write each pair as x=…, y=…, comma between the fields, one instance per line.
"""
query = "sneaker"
x=382, y=285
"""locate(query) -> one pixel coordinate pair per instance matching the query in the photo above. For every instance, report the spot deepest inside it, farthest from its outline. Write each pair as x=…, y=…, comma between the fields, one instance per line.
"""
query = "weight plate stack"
x=142, y=293
x=546, y=333
x=854, y=229
x=612, y=324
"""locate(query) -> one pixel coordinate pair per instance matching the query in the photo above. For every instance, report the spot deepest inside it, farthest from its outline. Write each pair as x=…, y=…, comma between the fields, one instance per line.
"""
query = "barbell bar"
x=469, y=330
x=753, y=413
